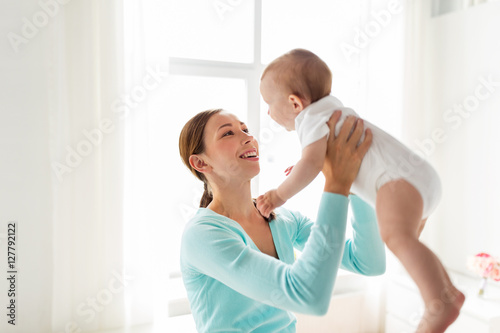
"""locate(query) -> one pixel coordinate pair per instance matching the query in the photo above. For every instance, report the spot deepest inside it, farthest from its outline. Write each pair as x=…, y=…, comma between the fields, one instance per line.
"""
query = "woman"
x=239, y=268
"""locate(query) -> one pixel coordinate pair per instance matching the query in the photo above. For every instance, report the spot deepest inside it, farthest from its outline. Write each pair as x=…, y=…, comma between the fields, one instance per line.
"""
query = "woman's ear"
x=198, y=163
x=297, y=103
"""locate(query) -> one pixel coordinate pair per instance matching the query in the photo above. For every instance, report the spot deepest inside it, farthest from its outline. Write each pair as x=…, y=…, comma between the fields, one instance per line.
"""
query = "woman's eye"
x=228, y=133
x=246, y=130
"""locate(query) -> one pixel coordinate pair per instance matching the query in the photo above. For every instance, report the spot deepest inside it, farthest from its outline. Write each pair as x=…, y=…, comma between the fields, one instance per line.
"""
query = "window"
x=441, y=7
x=215, y=30
x=218, y=50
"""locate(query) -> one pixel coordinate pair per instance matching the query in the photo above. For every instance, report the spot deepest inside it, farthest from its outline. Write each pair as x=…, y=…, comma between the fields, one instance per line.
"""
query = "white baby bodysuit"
x=386, y=160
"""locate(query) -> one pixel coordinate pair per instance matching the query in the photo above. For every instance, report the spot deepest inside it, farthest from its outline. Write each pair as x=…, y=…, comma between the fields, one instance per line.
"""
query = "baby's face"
x=280, y=107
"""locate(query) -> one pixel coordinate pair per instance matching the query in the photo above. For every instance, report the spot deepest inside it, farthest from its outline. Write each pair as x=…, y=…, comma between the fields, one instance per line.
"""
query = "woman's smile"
x=229, y=139
x=250, y=155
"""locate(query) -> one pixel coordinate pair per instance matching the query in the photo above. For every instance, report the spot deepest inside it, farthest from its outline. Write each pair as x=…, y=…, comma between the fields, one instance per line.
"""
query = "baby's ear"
x=198, y=163
x=297, y=103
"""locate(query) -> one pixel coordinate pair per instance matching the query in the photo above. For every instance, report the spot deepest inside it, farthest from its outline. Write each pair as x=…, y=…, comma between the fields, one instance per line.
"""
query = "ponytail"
x=191, y=142
x=207, y=197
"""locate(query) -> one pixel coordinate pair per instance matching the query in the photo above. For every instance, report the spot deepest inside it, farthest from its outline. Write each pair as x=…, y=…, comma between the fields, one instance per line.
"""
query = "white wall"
x=25, y=194
x=461, y=52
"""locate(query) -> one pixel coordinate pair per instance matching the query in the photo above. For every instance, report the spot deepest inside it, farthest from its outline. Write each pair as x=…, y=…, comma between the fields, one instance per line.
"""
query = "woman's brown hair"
x=191, y=142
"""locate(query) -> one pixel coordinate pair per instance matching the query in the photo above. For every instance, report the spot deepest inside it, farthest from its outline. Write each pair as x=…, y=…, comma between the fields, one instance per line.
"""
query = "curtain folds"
x=95, y=284
x=107, y=66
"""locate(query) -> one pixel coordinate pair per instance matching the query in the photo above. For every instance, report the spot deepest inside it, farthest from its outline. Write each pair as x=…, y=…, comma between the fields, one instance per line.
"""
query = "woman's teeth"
x=251, y=154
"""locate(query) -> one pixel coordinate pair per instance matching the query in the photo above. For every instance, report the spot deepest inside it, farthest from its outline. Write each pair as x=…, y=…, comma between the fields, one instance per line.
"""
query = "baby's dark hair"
x=302, y=73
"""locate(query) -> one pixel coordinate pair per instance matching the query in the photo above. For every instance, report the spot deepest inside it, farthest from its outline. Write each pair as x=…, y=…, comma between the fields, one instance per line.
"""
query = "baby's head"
x=293, y=81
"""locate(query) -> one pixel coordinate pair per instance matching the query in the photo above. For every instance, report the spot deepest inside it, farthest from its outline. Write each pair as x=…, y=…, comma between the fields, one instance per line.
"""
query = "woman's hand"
x=343, y=154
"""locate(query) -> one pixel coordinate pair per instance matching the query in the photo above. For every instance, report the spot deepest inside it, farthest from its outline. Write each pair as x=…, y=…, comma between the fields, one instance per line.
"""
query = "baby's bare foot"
x=441, y=313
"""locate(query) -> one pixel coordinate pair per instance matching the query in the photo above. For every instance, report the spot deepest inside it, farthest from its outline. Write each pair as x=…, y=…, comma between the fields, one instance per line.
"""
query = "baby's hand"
x=288, y=170
x=269, y=201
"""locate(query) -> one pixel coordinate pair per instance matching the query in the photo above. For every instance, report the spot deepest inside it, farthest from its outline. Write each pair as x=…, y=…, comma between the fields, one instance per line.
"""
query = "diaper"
x=388, y=160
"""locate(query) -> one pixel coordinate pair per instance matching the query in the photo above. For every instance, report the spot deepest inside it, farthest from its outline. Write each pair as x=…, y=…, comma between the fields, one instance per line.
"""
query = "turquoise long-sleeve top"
x=233, y=287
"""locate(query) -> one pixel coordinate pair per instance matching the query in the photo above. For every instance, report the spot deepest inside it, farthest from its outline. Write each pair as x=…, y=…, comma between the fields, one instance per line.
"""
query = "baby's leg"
x=399, y=211
x=450, y=294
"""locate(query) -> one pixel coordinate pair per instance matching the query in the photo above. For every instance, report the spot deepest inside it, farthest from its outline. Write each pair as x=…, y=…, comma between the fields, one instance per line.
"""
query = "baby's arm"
x=303, y=173
x=306, y=169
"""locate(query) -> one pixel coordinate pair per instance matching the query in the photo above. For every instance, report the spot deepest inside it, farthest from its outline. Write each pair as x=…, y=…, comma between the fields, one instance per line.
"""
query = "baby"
x=403, y=188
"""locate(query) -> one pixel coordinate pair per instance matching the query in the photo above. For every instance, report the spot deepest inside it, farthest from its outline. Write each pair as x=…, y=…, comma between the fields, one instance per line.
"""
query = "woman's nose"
x=248, y=138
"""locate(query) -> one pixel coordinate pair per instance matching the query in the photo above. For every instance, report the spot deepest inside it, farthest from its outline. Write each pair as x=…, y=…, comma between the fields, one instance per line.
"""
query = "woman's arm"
x=305, y=286
x=364, y=253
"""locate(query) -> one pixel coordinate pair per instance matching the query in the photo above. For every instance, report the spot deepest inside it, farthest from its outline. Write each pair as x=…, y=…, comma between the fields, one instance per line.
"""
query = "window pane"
x=324, y=26
x=280, y=149
x=192, y=94
x=366, y=78
x=220, y=30
x=440, y=7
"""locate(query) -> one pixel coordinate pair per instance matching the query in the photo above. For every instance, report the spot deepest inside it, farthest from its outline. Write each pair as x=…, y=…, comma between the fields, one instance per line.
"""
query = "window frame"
x=250, y=72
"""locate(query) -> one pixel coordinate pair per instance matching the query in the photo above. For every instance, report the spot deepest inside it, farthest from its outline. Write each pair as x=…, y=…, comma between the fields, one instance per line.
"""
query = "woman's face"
x=230, y=150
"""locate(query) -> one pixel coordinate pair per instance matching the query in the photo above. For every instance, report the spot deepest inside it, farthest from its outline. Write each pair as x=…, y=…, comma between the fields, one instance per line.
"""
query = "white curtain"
x=147, y=219
x=79, y=81
x=74, y=128
x=90, y=279
x=108, y=212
